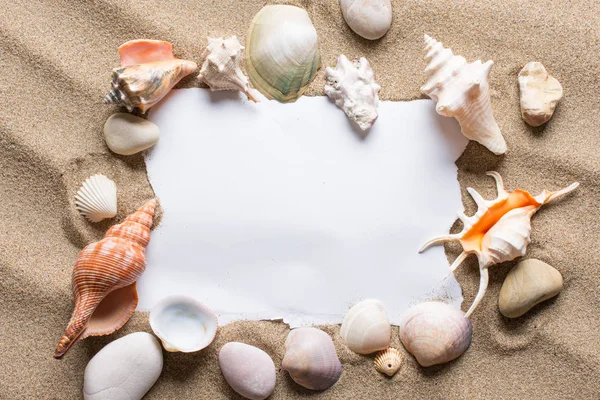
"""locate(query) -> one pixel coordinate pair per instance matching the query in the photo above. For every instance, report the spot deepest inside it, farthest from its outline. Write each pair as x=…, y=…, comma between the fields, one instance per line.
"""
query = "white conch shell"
x=539, y=93
x=353, y=88
x=370, y=19
x=221, y=68
x=500, y=229
x=282, y=53
x=366, y=327
x=461, y=90
x=435, y=332
x=183, y=324
x=310, y=359
x=388, y=361
x=97, y=198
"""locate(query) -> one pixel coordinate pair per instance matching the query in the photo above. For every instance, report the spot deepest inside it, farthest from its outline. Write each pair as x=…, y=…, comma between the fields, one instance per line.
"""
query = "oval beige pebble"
x=370, y=19
x=248, y=370
x=124, y=369
x=127, y=134
x=529, y=283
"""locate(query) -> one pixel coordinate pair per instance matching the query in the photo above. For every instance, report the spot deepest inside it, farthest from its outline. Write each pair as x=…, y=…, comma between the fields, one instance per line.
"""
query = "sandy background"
x=55, y=62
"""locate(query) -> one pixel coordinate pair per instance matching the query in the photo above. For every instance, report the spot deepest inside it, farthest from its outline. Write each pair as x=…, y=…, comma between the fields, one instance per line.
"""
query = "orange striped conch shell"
x=499, y=231
x=148, y=71
x=103, y=280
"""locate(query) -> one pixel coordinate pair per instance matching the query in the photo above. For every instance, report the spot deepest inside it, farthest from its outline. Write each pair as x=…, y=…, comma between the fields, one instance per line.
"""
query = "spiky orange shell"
x=500, y=229
x=103, y=280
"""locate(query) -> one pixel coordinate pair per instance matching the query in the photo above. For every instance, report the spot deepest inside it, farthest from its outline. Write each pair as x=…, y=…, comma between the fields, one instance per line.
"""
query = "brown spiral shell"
x=103, y=280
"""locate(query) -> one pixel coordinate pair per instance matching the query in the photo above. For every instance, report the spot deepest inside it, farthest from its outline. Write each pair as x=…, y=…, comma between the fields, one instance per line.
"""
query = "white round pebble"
x=127, y=134
x=370, y=19
x=248, y=370
x=124, y=369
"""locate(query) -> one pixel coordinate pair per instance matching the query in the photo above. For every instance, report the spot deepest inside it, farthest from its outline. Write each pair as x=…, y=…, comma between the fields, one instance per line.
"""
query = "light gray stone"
x=248, y=370
x=124, y=369
x=127, y=134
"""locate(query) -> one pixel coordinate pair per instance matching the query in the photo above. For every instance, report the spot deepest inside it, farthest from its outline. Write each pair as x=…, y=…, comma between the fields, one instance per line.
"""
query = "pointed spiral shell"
x=101, y=269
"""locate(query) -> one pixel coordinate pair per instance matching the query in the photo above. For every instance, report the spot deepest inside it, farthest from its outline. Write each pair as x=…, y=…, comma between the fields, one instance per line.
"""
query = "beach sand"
x=56, y=60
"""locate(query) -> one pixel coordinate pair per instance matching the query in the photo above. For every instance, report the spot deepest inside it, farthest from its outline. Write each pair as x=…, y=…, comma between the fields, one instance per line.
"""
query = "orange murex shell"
x=499, y=231
x=104, y=277
x=148, y=71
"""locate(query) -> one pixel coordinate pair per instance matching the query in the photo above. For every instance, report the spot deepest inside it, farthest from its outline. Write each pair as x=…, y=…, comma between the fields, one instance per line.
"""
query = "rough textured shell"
x=353, y=89
x=148, y=72
x=435, y=333
x=540, y=92
x=388, y=361
x=310, y=359
x=183, y=324
x=221, y=70
x=370, y=19
x=97, y=198
x=104, y=276
x=366, y=327
x=461, y=90
x=529, y=283
x=500, y=229
x=282, y=53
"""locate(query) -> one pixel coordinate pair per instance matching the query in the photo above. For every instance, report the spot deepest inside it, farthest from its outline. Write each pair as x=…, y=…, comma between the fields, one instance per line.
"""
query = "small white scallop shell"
x=388, y=361
x=352, y=86
x=310, y=359
x=183, y=324
x=366, y=327
x=435, y=332
x=97, y=198
x=221, y=67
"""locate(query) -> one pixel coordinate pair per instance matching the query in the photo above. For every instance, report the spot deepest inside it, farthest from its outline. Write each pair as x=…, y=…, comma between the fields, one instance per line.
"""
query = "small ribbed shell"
x=310, y=359
x=221, y=68
x=104, y=276
x=366, y=327
x=97, y=198
x=499, y=231
x=461, y=90
x=388, y=361
x=148, y=71
x=435, y=332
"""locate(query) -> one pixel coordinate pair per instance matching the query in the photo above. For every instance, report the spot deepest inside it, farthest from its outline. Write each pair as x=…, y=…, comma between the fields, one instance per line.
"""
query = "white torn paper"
x=283, y=211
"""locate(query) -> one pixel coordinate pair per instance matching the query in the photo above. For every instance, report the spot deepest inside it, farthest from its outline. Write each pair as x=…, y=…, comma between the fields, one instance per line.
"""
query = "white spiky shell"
x=221, y=67
x=352, y=86
x=461, y=90
x=97, y=198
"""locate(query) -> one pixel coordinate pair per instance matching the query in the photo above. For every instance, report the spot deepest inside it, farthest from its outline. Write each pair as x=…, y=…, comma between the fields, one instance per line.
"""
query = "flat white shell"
x=183, y=324
x=97, y=198
x=124, y=369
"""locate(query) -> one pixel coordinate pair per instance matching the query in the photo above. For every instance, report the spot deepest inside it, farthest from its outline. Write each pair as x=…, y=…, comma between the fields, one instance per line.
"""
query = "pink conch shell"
x=103, y=280
x=148, y=72
x=500, y=229
x=461, y=90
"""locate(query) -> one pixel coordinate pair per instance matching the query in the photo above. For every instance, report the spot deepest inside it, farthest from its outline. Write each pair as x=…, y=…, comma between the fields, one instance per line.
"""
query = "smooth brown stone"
x=529, y=283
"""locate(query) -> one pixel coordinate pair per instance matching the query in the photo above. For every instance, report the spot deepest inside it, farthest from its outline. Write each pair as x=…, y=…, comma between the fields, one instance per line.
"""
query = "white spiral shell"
x=97, y=198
